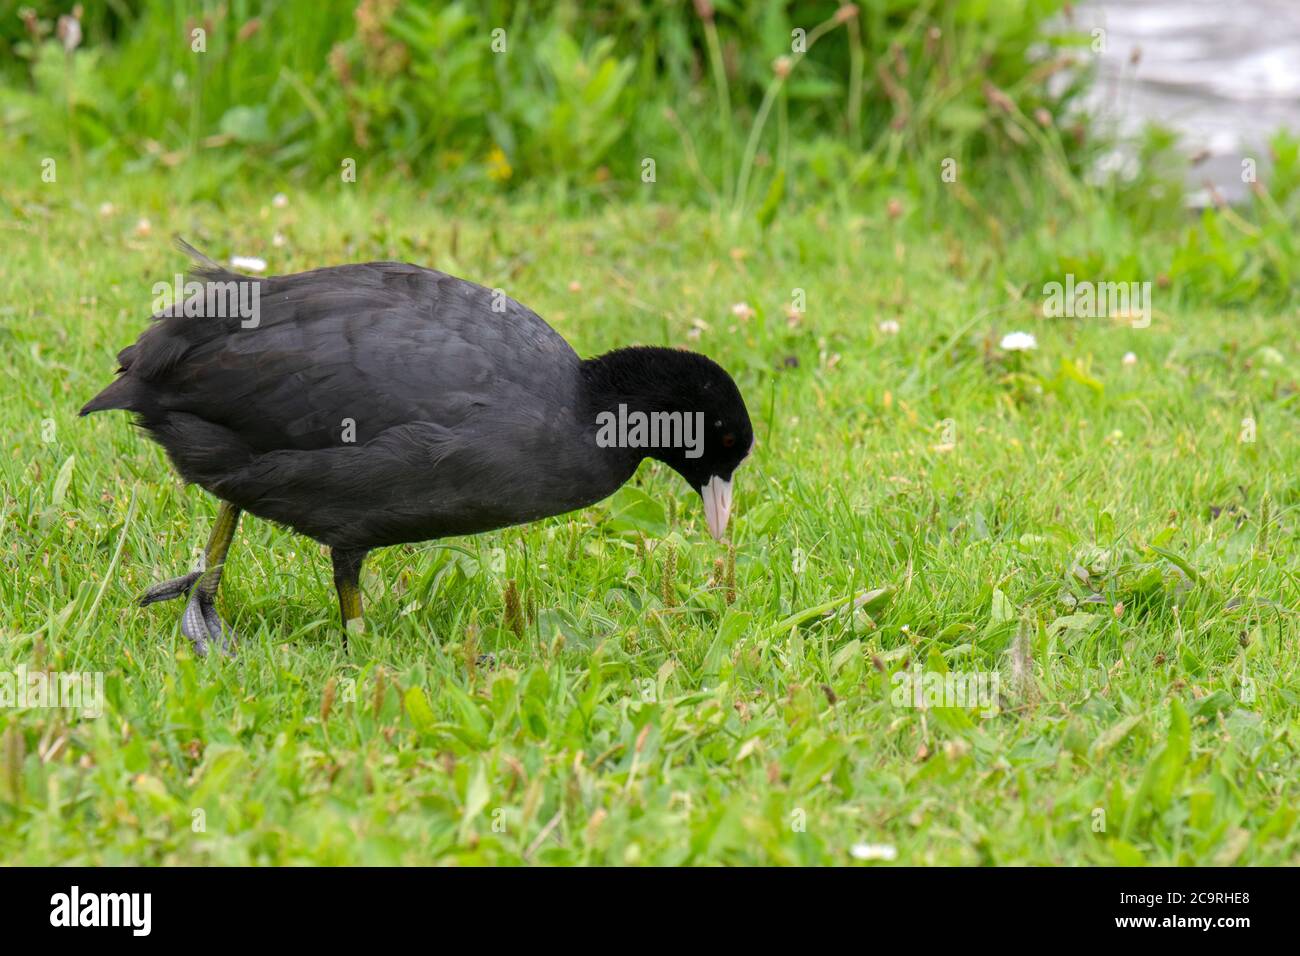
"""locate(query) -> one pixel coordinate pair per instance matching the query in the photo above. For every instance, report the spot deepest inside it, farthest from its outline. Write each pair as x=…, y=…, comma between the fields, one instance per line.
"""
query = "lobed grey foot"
x=204, y=627
x=169, y=590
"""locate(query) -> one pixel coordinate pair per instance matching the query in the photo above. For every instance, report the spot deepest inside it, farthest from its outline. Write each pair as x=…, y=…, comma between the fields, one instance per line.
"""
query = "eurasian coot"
x=382, y=403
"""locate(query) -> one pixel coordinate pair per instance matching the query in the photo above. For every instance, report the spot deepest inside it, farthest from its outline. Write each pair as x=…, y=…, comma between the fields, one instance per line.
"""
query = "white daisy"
x=873, y=851
x=248, y=263
x=1019, y=342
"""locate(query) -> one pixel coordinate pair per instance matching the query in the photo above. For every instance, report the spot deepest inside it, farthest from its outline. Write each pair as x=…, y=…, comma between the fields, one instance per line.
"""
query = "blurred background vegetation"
x=567, y=103
x=570, y=97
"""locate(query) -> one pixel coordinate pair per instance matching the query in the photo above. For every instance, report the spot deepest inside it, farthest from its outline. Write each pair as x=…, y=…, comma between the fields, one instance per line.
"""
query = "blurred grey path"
x=1224, y=73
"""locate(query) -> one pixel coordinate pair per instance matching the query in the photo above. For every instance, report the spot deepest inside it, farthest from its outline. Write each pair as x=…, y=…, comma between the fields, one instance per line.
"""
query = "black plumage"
x=381, y=403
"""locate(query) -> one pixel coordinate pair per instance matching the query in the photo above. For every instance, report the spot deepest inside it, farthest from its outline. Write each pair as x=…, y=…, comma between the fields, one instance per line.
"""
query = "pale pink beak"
x=717, y=505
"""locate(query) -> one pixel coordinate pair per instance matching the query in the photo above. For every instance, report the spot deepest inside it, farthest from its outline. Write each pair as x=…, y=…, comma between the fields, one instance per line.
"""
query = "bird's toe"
x=204, y=627
x=169, y=590
x=221, y=633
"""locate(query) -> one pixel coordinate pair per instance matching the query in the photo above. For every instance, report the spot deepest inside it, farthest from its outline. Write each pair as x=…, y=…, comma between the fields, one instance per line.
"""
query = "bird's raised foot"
x=169, y=590
x=204, y=627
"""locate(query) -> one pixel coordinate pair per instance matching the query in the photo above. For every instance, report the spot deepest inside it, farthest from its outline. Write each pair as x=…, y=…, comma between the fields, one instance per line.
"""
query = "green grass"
x=1096, y=533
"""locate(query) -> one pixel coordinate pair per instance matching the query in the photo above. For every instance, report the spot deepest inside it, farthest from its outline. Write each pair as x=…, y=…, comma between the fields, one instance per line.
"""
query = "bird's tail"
x=200, y=258
x=126, y=391
x=120, y=394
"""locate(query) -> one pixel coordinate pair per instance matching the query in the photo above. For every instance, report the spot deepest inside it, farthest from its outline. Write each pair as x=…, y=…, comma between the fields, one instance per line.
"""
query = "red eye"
x=728, y=440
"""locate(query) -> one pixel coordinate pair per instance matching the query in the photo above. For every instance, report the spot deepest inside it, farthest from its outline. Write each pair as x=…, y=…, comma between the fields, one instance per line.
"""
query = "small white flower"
x=888, y=327
x=1019, y=342
x=143, y=227
x=873, y=851
x=248, y=263
x=278, y=240
x=279, y=200
x=106, y=209
x=1130, y=358
x=69, y=31
x=743, y=311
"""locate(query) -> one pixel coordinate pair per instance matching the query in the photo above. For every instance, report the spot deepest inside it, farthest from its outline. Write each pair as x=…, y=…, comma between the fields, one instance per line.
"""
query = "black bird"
x=383, y=403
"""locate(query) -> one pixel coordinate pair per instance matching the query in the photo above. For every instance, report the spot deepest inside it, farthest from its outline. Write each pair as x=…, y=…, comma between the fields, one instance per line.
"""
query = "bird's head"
x=680, y=408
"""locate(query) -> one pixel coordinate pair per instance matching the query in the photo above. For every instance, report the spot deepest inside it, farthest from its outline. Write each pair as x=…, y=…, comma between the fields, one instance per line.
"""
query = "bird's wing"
x=341, y=355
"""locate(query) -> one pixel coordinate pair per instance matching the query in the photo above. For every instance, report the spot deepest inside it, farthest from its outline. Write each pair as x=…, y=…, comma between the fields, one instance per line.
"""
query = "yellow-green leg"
x=347, y=581
x=200, y=622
